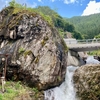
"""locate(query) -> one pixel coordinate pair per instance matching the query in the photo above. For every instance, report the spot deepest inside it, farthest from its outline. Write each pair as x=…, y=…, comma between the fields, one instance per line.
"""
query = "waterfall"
x=65, y=91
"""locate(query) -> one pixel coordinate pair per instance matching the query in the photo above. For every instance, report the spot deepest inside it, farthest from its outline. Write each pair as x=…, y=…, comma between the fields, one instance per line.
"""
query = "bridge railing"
x=88, y=41
x=84, y=41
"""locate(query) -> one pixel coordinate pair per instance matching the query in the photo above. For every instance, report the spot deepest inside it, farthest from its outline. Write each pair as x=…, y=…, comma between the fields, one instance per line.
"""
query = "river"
x=66, y=90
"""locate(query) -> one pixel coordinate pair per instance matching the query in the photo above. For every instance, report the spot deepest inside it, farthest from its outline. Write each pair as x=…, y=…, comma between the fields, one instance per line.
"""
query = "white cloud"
x=93, y=7
x=39, y=0
x=69, y=1
x=52, y=0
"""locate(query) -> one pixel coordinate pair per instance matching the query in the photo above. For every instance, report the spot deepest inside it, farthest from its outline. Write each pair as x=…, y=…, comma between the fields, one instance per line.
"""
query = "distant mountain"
x=88, y=26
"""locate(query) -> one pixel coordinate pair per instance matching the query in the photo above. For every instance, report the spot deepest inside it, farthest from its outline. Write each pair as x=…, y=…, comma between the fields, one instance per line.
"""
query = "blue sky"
x=66, y=8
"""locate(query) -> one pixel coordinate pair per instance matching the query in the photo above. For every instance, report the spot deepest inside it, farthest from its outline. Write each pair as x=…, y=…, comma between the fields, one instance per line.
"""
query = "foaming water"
x=91, y=60
x=66, y=90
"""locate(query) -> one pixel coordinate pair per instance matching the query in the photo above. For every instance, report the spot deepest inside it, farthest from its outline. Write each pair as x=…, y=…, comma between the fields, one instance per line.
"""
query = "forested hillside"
x=88, y=26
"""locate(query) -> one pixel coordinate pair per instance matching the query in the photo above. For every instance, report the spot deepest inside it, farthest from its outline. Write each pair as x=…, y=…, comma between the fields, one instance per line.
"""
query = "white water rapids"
x=66, y=90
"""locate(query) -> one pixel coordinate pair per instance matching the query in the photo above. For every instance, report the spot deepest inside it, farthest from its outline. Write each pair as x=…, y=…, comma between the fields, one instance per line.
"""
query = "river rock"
x=35, y=53
x=87, y=82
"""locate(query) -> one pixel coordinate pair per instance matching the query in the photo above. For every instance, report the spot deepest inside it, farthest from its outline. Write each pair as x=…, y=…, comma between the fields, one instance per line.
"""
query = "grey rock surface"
x=86, y=80
x=35, y=52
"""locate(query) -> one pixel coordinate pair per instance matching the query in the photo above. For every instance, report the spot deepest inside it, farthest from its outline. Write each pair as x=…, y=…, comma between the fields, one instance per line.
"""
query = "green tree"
x=70, y=28
x=97, y=36
x=77, y=35
x=89, y=26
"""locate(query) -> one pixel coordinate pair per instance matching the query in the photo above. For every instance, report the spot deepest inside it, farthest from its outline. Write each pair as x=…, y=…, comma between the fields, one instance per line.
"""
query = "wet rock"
x=36, y=54
x=86, y=80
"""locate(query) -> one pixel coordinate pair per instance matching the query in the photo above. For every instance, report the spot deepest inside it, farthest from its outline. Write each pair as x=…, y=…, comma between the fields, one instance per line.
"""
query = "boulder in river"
x=87, y=82
x=35, y=52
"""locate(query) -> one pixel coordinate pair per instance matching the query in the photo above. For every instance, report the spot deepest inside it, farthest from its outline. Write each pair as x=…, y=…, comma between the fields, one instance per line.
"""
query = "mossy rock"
x=36, y=60
x=86, y=80
x=21, y=50
x=27, y=52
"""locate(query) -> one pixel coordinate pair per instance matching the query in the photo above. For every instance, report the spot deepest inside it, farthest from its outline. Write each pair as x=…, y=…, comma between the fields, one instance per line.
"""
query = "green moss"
x=35, y=90
x=28, y=52
x=43, y=43
x=16, y=12
x=21, y=50
x=36, y=60
x=58, y=78
x=92, y=93
x=14, y=21
x=37, y=93
x=65, y=46
x=47, y=18
x=33, y=12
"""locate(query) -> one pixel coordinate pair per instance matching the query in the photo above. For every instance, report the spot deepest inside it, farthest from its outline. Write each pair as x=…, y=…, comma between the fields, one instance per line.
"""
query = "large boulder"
x=35, y=52
x=87, y=82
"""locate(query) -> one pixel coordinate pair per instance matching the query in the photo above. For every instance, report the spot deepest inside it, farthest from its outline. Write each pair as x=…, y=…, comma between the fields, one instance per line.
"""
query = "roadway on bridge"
x=79, y=47
x=84, y=47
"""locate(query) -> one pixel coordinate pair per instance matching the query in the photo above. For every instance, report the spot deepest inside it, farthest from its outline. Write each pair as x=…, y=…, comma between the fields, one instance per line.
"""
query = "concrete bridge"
x=83, y=45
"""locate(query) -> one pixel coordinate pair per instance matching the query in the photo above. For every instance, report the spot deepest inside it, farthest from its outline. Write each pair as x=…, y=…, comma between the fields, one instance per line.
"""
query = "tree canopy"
x=88, y=26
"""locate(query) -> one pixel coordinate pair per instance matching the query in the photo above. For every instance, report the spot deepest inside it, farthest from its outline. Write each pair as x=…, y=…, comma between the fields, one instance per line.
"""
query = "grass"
x=12, y=90
x=17, y=91
x=96, y=52
x=19, y=8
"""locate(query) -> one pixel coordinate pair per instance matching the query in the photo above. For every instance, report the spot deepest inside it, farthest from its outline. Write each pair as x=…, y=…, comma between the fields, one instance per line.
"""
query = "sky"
x=65, y=8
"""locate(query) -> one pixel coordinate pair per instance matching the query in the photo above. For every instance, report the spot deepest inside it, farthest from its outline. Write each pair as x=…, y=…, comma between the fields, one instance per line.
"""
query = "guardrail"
x=88, y=41
x=84, y=41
